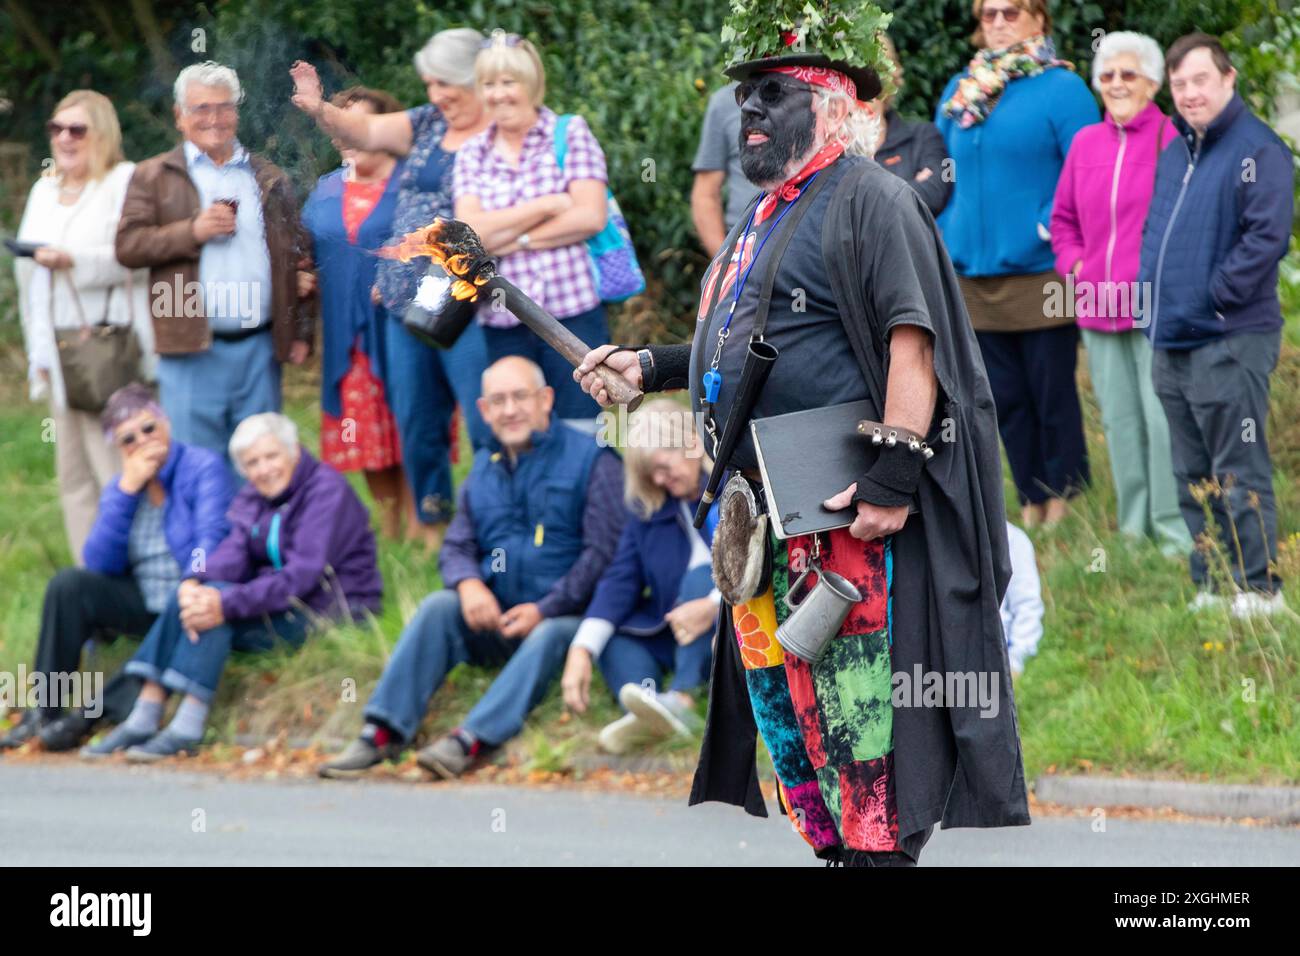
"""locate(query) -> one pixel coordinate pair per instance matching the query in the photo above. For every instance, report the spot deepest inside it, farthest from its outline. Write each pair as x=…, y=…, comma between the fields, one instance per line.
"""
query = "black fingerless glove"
x=893, y=479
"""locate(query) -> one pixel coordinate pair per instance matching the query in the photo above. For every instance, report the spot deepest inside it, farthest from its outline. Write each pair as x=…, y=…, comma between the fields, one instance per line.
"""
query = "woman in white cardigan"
x=72, y=211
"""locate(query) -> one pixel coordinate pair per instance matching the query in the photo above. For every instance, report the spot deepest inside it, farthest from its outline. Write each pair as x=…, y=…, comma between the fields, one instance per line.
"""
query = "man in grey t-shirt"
x=717, y=163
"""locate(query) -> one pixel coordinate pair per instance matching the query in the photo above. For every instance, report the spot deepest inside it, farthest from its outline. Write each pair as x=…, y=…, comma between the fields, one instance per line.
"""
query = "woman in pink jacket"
x=1097, y=218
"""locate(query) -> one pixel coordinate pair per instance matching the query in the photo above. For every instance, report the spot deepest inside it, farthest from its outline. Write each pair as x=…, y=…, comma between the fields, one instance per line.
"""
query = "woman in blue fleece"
x=1008, y=120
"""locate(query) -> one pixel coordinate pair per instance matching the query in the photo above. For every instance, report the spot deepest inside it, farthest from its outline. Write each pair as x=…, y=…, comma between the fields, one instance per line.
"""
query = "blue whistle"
x=712, y=382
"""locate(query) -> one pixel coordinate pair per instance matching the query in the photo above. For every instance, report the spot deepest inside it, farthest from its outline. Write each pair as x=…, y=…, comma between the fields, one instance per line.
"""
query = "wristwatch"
x=523, y=240
x=647, y=368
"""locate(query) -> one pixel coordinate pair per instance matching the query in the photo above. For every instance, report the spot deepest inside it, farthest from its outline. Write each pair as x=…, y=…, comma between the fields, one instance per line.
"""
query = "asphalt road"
x=62, y=814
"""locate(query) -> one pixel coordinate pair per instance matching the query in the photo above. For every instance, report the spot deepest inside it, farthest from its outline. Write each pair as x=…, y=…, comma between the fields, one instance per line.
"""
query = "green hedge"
x=639, y=70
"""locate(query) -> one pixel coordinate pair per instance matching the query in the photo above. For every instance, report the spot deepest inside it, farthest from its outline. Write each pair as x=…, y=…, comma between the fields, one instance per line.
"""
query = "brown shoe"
x=446, y=758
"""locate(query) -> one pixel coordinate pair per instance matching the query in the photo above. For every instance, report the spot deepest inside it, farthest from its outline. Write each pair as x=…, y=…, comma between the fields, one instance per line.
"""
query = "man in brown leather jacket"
x=218, y=228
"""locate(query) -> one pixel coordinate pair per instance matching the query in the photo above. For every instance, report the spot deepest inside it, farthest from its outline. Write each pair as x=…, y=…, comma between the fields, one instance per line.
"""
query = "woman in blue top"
x=655, y=607
x=349, y=214
x=1008, y=120
x=424, y=384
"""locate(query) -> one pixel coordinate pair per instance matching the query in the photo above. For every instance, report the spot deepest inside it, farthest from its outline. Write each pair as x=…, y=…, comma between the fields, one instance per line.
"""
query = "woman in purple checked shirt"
x=534, y=213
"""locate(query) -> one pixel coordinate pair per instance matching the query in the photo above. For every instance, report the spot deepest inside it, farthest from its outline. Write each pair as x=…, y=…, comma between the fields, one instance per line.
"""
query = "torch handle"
x=554, y=333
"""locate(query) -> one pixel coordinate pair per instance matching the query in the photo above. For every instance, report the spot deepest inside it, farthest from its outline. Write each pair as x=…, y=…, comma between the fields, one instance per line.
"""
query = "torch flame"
x=454, y=246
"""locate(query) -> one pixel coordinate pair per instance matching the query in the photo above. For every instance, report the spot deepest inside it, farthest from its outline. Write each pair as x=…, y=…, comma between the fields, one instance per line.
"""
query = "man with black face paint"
x=838, y=266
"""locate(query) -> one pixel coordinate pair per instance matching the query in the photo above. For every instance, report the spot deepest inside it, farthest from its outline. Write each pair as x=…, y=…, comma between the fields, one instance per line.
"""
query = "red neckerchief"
x=789, y=190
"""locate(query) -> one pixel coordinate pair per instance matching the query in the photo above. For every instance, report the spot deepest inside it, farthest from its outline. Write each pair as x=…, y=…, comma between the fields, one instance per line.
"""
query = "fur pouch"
x=742, y=553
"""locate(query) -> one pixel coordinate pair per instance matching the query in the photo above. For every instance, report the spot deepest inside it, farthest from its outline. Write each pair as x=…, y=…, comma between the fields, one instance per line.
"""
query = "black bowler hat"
x=864, y=78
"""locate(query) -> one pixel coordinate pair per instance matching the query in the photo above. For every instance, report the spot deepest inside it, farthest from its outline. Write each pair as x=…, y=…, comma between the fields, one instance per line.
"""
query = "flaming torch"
x=461, y=272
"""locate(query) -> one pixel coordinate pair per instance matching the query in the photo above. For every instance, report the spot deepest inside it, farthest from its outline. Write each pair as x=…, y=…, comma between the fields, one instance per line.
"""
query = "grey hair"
x=1150, y=60
x=207, y=73
x=449, y=56
x=258, y=426
x=539, y=377
x=860, y=132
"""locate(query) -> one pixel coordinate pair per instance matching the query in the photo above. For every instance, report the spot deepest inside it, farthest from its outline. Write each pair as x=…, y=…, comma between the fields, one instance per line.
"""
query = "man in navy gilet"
x=1219, y=223
x=538, y=519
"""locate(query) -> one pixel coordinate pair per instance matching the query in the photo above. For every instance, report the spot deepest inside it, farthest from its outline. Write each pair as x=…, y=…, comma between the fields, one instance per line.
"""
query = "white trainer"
x=618, y=737
x=1207, y=601
x=1254, y=604
x=662, y=714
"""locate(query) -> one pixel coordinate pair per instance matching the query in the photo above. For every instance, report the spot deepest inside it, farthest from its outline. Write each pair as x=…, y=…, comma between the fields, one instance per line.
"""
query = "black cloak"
x=951, y=562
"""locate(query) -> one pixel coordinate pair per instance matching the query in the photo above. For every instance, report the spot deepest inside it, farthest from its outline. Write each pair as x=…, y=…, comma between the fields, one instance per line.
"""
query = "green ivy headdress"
x=838, y=35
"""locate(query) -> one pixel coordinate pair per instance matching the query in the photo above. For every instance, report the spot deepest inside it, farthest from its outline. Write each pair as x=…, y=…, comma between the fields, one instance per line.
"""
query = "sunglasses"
x=1128, y=76
x=1009, y=14
x=75, y=130
x=129, y=439
x=771, y=90
x=501, y=38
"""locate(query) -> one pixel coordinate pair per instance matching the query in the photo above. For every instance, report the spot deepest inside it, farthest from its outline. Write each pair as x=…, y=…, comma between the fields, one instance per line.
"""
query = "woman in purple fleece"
x=300, y=552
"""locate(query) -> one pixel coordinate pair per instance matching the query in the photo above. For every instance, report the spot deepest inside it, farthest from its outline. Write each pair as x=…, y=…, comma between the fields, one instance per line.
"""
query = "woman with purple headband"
x=157, y=522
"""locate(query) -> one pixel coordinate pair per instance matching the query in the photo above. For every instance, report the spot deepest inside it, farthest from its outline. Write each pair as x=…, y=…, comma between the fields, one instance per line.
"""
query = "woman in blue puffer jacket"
x=157, y=521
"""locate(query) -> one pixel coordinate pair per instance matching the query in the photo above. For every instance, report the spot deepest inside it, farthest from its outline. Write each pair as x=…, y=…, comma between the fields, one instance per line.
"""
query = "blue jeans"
x=636, y=658
x=631, y=659
x=168, y=657
x=423, y=385
x=206, y=394
x=571, y=402
x=437, y=638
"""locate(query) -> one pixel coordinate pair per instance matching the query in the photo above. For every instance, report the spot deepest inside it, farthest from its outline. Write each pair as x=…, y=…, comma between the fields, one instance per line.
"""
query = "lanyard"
x=712, y=379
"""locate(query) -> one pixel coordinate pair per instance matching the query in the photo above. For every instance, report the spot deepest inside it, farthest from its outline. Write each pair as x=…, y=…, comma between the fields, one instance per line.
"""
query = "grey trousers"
x=1216, y=400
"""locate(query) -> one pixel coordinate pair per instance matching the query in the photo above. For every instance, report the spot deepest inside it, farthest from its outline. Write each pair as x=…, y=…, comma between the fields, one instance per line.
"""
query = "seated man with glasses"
x=157, y=521
x=537, y=521
x=218, y=228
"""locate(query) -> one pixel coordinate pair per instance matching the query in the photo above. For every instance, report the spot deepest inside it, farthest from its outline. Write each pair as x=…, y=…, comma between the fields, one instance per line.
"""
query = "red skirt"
x=364, y=438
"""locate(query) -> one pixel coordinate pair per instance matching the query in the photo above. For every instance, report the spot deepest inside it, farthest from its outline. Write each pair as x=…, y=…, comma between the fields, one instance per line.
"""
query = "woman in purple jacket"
x=164, y=512
x=655, y=607
x=300, y=552
x=1097, y=219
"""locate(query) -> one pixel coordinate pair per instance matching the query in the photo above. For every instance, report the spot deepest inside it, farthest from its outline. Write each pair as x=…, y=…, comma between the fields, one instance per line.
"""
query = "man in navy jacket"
x=1219, y=223
x=538, y=519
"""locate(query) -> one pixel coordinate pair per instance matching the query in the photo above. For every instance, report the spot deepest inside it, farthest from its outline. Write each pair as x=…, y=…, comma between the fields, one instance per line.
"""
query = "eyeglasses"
x=1128, y=76
x=75, y=130
x=771, y=89
x=521, y=397
x=1009, y=14
x=501, y=38
x=207, y=111
x=129, y=439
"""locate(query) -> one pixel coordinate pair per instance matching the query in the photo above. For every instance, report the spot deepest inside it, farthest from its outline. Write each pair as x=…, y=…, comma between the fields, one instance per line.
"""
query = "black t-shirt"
x=816, y=366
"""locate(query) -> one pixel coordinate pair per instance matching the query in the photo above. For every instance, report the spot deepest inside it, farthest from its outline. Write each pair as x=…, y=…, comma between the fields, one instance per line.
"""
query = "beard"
x=789, y=137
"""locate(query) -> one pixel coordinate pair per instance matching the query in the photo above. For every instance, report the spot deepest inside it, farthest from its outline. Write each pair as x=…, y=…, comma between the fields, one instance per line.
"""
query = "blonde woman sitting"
x=654, y=610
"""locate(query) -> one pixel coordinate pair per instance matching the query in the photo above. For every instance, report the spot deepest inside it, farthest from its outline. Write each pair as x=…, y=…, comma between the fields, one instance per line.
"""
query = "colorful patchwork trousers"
x=828, y=726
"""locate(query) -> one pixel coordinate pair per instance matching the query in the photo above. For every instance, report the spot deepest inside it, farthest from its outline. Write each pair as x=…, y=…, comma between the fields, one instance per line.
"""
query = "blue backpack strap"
x=561, y=139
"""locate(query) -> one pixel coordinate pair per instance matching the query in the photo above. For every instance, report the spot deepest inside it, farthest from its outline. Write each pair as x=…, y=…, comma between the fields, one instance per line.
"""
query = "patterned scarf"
x=989, y=72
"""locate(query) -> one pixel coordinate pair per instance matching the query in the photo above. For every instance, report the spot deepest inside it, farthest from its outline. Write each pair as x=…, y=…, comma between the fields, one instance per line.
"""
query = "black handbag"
x=96, y=360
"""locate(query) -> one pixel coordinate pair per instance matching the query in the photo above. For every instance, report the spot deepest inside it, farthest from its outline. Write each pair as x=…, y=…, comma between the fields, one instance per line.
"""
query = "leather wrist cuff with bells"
x=892, y=480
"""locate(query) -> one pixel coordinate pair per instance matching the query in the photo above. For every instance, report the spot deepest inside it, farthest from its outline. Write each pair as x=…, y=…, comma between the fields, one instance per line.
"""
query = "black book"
x=806, y=457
